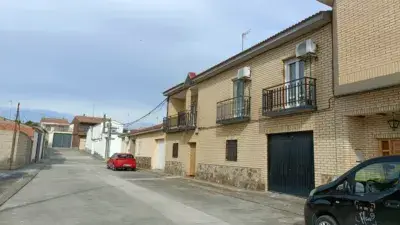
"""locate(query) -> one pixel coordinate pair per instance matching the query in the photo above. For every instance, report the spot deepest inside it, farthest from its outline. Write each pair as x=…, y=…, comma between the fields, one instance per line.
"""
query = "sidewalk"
x=11, y=181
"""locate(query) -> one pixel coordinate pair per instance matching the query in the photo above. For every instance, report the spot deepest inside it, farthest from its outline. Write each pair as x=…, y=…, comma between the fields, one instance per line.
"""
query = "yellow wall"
x=368, y=34
x=267, y=70
x=146, y=143
x=175, y=105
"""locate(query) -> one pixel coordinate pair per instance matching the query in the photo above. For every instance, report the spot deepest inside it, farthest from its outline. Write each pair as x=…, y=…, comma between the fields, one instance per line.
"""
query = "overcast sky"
x=120, y=55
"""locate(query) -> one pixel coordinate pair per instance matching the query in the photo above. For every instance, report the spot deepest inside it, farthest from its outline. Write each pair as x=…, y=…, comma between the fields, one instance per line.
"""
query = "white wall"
x=52, y=131
x=96, y=139
x=35, y=141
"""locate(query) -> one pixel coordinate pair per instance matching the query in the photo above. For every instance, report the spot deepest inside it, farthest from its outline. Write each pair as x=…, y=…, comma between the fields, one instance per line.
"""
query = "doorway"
x=291, y=163
x=160, y=155
x=389, y=147
x=192, y=160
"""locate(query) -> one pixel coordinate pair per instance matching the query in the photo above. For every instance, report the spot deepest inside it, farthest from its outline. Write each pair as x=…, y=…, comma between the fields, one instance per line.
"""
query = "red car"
x=124, y=161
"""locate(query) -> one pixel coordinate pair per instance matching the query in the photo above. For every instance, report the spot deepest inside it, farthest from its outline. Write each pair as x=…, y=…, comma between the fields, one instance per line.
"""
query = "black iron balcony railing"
x=291, y=97
x=185, y=120
x=233, y=110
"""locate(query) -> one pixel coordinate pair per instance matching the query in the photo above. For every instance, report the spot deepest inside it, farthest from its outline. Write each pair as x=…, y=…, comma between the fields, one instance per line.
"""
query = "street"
x=77, y=189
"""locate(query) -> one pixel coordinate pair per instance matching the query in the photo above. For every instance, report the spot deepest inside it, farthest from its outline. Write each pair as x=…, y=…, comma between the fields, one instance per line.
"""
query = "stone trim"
x=241, y=177
x=174, y=168
x=143, y=162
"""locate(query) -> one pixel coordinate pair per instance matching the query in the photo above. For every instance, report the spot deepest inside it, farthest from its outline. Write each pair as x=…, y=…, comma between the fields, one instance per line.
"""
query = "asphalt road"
x=76, y=189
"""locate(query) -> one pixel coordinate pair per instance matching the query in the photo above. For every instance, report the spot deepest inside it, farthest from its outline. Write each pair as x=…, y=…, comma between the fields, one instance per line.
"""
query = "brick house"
x=81, y=127
x=228, y=123
x=366, y=78
x=265, y=119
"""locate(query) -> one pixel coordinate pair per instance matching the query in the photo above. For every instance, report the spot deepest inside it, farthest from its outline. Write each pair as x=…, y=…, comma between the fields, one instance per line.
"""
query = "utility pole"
x=108, y=138
x=243, y=37
x=16, y=124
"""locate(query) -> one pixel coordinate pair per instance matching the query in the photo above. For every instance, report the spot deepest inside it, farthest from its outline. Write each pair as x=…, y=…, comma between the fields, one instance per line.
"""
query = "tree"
x=31, y=123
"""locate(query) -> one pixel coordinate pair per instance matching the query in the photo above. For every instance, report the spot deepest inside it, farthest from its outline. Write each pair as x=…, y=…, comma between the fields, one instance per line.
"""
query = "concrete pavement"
x=77, y=189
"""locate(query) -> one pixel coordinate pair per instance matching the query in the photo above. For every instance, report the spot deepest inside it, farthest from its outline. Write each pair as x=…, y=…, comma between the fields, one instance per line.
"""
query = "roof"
x=54, y=120
x=9, y=125
x=88, y=119
x=311, y=23
x=154, y=128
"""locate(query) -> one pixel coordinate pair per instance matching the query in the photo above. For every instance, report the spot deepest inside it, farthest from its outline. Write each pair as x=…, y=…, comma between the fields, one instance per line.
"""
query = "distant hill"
x=34, y=114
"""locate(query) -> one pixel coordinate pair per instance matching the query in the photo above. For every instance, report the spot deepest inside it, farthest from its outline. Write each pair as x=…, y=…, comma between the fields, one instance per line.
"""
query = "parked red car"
x=124, y=161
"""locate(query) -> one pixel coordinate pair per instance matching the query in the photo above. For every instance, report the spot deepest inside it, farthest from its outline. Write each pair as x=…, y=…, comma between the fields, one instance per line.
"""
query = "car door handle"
x=392, y=204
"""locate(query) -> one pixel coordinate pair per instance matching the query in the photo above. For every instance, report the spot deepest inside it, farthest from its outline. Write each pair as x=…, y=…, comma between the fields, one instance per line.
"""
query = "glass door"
x=238, y=98
x=294, y=83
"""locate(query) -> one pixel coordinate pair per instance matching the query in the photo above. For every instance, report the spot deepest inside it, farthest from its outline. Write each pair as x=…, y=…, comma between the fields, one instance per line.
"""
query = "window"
x=376, y=178
x=125, y=156
x=175, y=150
x=231, y=150
x=390, y=147
x=295, y=87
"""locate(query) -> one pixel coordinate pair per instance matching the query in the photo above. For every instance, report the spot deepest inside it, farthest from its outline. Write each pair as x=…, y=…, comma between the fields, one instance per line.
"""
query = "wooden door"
x=192, y=169
x=396, y=147
x=390, y=147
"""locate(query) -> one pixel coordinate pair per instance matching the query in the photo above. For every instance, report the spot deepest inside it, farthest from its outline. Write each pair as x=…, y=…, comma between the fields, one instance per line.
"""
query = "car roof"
x=382, y=159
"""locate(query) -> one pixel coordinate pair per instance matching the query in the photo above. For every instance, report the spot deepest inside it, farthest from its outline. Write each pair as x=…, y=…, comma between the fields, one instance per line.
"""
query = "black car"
x=368, y=194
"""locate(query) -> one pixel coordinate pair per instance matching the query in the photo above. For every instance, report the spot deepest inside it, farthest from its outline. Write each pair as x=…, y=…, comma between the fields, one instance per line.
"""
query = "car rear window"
x=125, y=156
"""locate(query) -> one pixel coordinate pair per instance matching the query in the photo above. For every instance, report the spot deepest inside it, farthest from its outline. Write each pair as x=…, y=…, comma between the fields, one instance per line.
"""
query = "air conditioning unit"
x=244, y=72
x=305, y=48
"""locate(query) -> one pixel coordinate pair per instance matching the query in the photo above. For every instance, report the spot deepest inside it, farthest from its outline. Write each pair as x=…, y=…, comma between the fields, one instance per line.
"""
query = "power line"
x=157, y=107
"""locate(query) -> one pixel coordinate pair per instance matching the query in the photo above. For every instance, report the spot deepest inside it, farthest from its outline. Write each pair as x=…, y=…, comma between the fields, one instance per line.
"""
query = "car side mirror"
x=344, y=187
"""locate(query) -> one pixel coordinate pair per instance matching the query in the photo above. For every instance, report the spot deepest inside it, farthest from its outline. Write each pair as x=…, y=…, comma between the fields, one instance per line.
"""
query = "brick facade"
x=359, y=45
x=267, y=70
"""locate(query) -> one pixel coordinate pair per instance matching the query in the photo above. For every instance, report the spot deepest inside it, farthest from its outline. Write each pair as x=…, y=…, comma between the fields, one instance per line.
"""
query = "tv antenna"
x=243, y=37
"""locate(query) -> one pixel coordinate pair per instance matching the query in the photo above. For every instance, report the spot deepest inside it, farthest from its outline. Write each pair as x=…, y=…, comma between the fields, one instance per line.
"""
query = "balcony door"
x=294, y=83
x=238, y=98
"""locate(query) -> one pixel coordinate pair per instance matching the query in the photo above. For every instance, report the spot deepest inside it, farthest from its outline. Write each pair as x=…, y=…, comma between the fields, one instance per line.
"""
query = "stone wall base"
x=143, y=162
x=174, y=168
x=241, y=177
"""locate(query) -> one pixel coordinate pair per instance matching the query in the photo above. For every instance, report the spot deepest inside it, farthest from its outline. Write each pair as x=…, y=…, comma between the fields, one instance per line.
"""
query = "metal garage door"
x=291, y=163
x=62, y=140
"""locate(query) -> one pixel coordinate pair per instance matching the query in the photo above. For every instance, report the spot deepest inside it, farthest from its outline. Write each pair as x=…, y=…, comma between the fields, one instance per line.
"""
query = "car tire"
x=326, y=220
x=113, y=168
x=134, y=169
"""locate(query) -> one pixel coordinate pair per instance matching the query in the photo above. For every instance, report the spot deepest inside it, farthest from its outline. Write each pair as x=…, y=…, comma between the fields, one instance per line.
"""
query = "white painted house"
x=59, y=132
x=96, y=139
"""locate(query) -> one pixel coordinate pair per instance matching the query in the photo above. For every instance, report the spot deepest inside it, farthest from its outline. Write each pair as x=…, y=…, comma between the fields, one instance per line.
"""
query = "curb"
x=18, y=185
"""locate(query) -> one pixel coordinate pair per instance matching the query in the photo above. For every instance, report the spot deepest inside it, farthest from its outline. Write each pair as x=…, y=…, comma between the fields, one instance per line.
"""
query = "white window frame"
x=297, y=82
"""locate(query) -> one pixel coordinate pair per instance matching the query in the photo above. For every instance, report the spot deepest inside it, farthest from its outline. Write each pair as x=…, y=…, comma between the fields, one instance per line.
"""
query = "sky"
x=74, y=57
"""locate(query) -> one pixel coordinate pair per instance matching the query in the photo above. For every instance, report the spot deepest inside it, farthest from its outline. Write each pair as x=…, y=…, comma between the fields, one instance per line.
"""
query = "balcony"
x=292, y=97
x=83, y=130
x=183, y=121
x=234, y=110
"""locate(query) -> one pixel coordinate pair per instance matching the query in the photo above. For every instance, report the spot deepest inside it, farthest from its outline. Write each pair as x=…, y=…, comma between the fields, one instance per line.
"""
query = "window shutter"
x=175, y=150
x=231, y=150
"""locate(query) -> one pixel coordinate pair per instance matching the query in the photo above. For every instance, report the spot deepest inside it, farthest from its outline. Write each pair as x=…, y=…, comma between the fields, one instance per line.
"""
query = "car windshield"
x=125, y=156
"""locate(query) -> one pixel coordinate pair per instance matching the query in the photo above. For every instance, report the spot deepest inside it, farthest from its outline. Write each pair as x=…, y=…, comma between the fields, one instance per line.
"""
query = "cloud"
x=120, y=55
